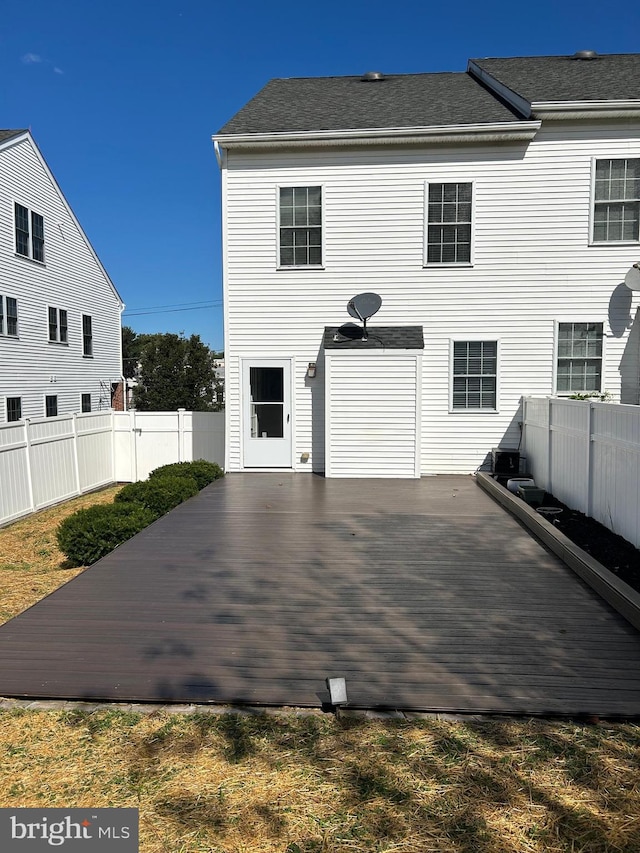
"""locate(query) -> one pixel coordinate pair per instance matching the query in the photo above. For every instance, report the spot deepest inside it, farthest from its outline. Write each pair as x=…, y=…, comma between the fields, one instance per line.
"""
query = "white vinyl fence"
x=49, y=460
x=587, y=455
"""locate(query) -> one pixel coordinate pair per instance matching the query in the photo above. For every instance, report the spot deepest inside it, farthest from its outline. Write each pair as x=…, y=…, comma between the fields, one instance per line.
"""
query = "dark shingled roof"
x=8, y=134
x=614, y=76
x=380, y=337
x=344, y=103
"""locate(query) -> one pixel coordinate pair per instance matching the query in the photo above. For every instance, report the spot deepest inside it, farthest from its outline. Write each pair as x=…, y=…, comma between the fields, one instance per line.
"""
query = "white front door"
x=267, y=413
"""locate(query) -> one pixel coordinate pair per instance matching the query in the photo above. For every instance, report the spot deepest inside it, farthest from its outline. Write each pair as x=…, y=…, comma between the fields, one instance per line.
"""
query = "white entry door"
x=267, y=413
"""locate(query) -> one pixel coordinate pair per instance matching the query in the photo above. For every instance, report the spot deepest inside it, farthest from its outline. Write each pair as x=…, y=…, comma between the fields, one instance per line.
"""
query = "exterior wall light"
x=311, y=369
x=338, y=690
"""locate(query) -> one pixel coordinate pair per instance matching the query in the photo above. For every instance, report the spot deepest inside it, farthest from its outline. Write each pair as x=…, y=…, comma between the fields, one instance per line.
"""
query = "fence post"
x=181, y=435
x=549, y=446
x=134, y=446
x=76, y=461
x=590, y=418
x=27, y=441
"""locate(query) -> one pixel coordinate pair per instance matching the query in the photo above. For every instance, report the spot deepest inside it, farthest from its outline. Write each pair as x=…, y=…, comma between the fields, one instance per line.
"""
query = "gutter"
x=497, y=132
x=629, y=108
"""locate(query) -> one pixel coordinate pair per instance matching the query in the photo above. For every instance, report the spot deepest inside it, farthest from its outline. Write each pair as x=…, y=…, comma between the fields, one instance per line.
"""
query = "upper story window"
x=616, y=211
x=300, y=226
x=475, y=373
x=8, y=316
x=58, y=332
x=29, y=233
x=87, y=335
x=579, y=358
x=449, y=224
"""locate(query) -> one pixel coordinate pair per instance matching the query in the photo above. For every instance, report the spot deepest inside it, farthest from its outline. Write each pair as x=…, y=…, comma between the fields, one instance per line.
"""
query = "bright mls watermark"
x=73, y=830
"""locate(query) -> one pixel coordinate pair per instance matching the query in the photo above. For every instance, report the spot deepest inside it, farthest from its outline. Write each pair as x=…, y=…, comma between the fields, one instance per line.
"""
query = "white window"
x=85, y=402
x=449, y=224
x=58, y=332
x=29, y=233
x=475, y=374
x=8, y=316
x=616, y=209
x=579, y=368
x=300, y=226
x=14, y=409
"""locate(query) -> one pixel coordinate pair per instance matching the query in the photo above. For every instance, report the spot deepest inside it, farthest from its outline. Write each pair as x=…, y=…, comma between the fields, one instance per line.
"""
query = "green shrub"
x=158, y=494
x=90, y=534
x=201, y=471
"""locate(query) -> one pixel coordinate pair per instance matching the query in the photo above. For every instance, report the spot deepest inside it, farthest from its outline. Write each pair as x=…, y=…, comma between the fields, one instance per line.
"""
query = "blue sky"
x=123, y=97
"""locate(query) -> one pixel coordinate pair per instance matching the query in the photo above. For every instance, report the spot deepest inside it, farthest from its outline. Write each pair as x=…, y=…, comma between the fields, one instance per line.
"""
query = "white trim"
x=298, y=185
x=519, y=103
x=425, y=231
x=468, y=338
x=490, y=132
x=572, y=110
x=247, y=362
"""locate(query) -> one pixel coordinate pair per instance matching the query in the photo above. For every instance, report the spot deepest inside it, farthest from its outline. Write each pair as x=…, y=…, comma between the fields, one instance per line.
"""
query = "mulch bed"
x=614, y=552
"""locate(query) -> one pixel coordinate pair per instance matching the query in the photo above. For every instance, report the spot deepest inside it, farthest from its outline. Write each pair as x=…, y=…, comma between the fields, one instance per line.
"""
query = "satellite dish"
x=363, y=306
x=632, y=278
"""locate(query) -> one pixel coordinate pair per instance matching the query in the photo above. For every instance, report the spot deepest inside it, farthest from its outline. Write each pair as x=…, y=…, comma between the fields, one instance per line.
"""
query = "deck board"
x=425, y=595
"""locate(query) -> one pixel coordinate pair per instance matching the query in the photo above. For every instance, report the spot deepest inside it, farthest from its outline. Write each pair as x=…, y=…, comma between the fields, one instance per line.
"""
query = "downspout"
x=219, y=152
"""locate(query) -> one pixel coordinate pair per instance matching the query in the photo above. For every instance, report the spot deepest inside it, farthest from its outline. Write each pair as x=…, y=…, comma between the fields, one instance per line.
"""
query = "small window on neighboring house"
x=449, y=224
x=300, y=226
x=58, y=332
x=86, y=402
x=87, y=335
x=475, y=368
x=51, y=405
x=29, y=233
x=579, y=358
x=14, y=408
x=616, y=213
x=8, y=316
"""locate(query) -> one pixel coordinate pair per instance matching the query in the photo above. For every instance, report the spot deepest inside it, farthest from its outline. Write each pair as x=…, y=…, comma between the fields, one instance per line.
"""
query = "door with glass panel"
x=267, y=414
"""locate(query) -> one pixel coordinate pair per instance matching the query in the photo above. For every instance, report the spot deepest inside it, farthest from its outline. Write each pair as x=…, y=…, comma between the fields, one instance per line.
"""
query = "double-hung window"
x=616, y=210
x=85, y=402
x=29, y=233
x=58, y=332
x=300, y=226
x=475, y=372
x=87, y=335
x=449, y=224
x=8, y=316
x=579, y=368
x=14, y=409
x=51, y=405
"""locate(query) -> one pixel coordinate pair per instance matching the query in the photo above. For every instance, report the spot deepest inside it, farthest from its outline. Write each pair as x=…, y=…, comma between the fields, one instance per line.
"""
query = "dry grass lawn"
x=225, y=783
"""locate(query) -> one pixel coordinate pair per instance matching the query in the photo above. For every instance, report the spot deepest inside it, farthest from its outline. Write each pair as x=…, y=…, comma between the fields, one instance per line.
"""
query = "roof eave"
x=610, y=109
x=490, y=132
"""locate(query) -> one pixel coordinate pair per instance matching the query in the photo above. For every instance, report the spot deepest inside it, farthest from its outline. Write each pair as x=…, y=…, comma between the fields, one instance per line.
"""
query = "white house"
x=495, y=212
x=60, y=347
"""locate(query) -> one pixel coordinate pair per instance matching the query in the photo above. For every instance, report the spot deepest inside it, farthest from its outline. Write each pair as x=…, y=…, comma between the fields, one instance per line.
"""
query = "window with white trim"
x=616, y=210
x=449, y=224
x=87, y=335
x=475, y=373
x=579, y=358
x=14, y=409
x=8, y=316
x=29, y=233
x=300, y=226
x=58, y=330
x=51, y=405
x=85, y=402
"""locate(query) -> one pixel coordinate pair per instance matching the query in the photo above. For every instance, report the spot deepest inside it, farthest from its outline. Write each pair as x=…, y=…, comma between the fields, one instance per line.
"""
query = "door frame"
x=288, y=365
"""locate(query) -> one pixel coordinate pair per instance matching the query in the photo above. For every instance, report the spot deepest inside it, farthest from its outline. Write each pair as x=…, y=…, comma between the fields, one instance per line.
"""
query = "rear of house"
x=495, y=212
x=60, y=348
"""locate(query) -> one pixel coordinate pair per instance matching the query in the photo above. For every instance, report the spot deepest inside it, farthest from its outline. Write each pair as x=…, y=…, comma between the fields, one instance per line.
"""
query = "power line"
x=194, y=306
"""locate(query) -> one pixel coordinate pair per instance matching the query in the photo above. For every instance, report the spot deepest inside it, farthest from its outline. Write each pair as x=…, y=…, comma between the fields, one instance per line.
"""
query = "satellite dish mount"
x=363, y=306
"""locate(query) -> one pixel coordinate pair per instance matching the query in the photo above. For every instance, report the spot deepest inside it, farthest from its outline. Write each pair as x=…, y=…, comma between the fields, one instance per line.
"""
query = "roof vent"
x=585, y=54
x=372, y=76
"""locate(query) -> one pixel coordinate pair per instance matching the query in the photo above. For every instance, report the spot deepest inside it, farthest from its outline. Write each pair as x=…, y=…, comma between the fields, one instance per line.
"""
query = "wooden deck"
x=424, y=594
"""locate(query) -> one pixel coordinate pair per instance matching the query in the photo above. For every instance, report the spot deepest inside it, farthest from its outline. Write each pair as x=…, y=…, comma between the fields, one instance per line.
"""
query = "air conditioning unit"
x=505, y=461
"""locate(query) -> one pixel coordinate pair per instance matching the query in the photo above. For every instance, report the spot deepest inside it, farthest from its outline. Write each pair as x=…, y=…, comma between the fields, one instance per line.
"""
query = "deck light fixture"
x=338, y=690
x=311, y=369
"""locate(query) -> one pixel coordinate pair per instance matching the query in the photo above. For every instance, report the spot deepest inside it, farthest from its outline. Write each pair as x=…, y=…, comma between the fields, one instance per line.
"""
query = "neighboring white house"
x=60, y=347
x=494, y=211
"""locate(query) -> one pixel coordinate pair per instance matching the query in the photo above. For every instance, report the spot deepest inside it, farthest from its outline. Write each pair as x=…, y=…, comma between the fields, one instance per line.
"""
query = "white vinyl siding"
x=372, y=414
x=72, y=280
x=532, y=264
